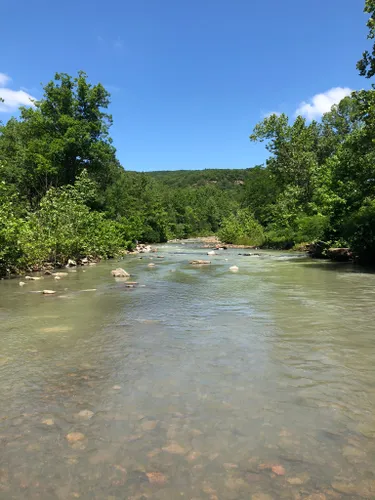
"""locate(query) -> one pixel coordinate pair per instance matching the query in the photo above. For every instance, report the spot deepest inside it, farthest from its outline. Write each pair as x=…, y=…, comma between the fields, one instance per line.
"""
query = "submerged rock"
x=174, y=448
x=48, y=421
x=75, y=437
x=85, y=414
x=156, y=477
x=120, y=273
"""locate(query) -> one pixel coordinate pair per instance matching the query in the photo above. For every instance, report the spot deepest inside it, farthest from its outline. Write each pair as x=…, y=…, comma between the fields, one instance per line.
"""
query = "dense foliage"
x=63, y=193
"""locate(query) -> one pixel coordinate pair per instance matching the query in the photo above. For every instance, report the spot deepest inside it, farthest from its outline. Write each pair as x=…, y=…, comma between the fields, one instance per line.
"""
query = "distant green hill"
x=222, y=178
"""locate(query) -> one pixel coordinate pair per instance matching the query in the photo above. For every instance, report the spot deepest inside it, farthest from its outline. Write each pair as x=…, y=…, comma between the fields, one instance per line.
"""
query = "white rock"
x=49, y=292
x=234, y=269
x=120, y=273
x=22, y=283
x=57, y=278
x=151, y=264
x=211, y=252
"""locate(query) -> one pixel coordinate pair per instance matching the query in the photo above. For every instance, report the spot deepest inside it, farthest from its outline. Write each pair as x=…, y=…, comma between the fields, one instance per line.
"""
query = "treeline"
x=64, y=194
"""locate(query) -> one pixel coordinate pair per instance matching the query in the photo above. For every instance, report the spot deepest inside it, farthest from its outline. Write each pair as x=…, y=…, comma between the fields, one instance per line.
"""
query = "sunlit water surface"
x=201, y=384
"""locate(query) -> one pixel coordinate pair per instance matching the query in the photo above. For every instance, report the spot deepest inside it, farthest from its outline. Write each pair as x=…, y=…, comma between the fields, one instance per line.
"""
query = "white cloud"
x=4, y=79
x=13, y=99
x=118, y=44
x=270, y=113
x=322, y=103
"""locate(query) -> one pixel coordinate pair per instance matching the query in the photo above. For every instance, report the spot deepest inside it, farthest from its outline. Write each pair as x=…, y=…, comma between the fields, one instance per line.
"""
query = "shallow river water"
x=201, y=384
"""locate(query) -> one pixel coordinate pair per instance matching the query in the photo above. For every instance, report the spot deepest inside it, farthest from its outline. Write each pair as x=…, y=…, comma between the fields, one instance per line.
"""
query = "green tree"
x=366, y=65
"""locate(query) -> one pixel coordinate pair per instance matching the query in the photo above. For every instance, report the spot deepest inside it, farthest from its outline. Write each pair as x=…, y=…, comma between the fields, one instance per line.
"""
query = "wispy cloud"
x=270, y=113
x=118, y=44
x=13, y=99
x=4, y=79
x=322, y=103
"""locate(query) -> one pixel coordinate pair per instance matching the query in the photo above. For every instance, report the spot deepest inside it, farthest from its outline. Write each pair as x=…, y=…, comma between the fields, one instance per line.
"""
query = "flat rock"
x=49, y=292
x=174, y=448
x=156, y=477
x=234, y=269
x=200, y=262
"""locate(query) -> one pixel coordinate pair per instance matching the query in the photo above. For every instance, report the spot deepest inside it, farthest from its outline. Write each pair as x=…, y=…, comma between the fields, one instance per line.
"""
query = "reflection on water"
x=201, y=385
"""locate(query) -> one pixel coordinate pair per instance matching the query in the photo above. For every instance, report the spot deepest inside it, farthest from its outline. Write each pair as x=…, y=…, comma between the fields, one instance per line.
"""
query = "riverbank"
x=316, y=250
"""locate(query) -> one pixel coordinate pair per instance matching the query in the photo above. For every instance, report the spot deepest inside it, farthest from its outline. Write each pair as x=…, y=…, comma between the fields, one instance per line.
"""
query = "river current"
x=197, y=384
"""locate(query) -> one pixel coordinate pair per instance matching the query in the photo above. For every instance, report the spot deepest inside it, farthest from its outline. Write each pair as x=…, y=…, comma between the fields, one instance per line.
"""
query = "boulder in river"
x=71, y=263
x=211, y=252
x=33, y=278
x=22, y=283
x=234, y=269
x=120, y=273
x=60, y=274
x=49, y=292
x=151, y=264
x=339, y=254
x=200, y=262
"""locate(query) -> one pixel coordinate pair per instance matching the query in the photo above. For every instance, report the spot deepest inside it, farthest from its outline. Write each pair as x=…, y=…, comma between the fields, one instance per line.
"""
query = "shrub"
x=241, y=229
x=360, y=232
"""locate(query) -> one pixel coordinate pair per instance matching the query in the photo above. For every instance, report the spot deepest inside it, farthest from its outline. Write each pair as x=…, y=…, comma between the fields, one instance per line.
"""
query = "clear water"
x=203, y=384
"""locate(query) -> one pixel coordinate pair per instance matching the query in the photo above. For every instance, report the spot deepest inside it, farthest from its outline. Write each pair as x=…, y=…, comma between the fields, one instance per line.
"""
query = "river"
x=199, y=384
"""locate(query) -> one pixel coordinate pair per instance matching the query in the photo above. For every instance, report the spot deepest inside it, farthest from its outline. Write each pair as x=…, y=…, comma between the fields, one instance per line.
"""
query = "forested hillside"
x=221, y=178
x=64, y=194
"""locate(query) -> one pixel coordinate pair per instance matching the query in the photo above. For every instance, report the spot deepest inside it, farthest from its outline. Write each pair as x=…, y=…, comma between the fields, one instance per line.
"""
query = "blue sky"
x=189, y=79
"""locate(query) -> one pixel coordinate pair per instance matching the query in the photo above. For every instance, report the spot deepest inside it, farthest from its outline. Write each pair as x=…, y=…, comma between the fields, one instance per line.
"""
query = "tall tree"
x=366, y=65
x=64, y=133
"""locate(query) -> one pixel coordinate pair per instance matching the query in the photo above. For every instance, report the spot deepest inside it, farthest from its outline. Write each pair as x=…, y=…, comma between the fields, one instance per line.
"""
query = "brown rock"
x=75, y=437
x=278, y=470
x=149, y=425
x=174, y=448
x=85, y=414
x=156, y=478
x=48, y=421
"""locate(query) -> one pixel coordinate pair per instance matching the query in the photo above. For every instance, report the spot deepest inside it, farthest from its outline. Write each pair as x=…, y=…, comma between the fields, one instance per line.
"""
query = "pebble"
x=156, y=477
x=174, y=448
x=75, y=437
x=86, y=414
x=149, y=425
x=48, y=421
